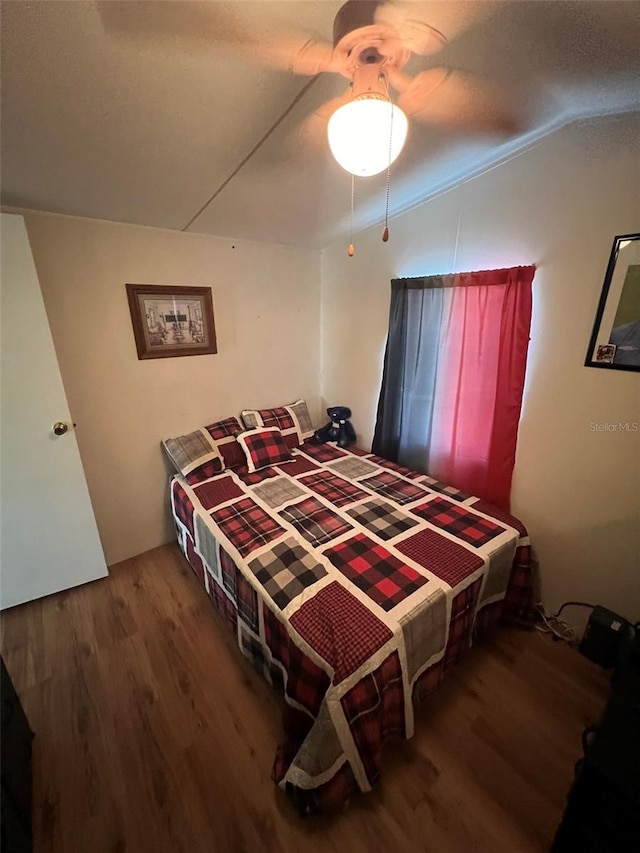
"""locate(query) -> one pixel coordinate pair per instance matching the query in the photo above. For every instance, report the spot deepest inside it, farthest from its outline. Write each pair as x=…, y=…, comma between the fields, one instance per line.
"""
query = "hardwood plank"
x=153, y=733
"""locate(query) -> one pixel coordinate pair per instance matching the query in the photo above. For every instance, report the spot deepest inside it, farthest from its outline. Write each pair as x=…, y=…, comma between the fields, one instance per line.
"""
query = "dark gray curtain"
x=405, y=406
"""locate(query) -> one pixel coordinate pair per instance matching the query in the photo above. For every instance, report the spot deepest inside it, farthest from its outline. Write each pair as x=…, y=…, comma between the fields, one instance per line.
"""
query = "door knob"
x=60, y=428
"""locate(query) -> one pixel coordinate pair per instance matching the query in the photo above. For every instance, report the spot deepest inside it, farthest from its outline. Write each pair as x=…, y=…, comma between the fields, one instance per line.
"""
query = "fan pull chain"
x=351, y=250
x=385, y=233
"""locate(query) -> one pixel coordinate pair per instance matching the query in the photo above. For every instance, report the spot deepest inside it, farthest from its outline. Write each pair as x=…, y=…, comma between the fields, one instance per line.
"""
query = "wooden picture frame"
x=615, y=339
x=170, y=321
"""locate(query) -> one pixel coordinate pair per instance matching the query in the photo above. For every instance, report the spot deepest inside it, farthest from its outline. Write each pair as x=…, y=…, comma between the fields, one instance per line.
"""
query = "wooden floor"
x=154, y=734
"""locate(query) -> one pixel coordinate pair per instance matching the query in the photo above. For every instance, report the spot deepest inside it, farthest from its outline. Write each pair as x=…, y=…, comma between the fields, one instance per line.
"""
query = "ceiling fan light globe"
x=359, y=134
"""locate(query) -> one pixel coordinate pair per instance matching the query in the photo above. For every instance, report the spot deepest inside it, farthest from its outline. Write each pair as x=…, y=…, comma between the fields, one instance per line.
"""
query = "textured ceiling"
x=141, y=112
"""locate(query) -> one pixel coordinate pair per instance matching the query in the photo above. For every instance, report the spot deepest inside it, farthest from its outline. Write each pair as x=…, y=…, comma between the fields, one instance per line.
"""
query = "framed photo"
x=615, y=340
x=170, y=321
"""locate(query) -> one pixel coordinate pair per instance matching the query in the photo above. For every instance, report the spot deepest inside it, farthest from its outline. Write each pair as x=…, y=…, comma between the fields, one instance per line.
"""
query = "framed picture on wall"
x=615, y=339
x=170, y=321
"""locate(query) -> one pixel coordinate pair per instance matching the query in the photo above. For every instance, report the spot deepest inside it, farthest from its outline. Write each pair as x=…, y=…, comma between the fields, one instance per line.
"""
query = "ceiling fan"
x=372, y=43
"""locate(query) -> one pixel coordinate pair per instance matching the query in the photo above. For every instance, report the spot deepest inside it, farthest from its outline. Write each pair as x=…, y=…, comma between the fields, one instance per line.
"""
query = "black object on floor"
x=15, y=828
x=603, y=809
x=604, y=636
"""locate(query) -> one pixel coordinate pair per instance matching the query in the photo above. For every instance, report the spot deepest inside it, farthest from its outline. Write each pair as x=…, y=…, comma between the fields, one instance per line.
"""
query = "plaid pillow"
x=191, y=451
x=264, y=447
x=292, y=420
x=223, y=434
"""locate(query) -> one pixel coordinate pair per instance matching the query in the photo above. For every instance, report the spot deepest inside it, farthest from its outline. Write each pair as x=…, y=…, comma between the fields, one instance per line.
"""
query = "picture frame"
x=171, y=320
x=615, y=339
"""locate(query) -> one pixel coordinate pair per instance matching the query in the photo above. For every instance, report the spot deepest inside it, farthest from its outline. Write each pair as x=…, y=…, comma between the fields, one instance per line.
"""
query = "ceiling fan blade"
x=426, y=25
x=247, y=29
x=315, y=125
x=455, y=99
x=415, y=34
x=292, y=52
x=306, y=142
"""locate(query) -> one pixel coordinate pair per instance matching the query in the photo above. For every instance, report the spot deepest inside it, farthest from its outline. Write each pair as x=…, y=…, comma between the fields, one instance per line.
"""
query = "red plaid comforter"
x=352, y=584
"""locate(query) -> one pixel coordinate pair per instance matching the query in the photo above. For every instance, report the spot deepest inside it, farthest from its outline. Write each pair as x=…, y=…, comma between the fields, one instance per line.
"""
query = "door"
x=48, y=535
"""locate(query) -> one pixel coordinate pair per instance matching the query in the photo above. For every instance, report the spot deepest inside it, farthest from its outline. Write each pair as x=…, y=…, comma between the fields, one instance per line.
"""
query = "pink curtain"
x=482, y=355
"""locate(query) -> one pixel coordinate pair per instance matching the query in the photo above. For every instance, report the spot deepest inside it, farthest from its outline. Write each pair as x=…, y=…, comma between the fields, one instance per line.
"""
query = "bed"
x=352, y=584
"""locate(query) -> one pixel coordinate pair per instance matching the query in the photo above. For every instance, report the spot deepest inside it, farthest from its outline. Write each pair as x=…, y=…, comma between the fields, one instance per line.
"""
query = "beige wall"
x=266, y=301
x=559, y=205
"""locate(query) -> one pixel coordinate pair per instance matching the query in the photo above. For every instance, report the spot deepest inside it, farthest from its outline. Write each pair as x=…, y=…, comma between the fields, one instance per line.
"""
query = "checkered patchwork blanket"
x=351, y=583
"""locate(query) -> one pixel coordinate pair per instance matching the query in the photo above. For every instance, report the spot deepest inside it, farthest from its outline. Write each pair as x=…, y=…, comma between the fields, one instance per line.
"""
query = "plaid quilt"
x=351, y=584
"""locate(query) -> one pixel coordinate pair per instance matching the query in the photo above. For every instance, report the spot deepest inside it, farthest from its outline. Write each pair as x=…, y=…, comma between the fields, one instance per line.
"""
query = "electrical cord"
x=558, y=628
x=573, y=604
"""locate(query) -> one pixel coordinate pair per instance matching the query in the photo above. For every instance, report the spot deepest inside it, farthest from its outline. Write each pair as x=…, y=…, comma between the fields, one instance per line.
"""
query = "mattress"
x=351, y=583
